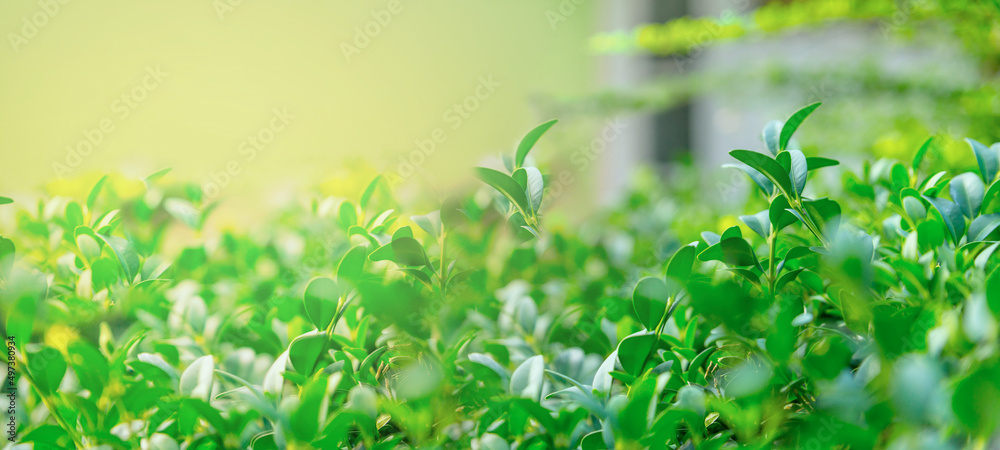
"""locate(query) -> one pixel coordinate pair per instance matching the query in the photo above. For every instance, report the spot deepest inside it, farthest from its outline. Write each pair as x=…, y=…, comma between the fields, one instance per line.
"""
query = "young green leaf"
x=529, y=140
x=305, y=350
x=766, y=166
x=952, y=216
x=321, y=298
x=919, y=157
x=758, y=178
x=772, y=137
x=92, y=197
x=760, y=223
x=649, y=300
x=506, y=185
x=528, y=379
x=197, y=379
x=987, y=158
x=799, y=170
x=531, y=180
x=967, y=191
x=792, y=124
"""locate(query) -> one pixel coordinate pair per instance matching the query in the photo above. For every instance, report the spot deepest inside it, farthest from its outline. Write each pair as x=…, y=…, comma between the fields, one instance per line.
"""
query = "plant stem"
x=772, y=241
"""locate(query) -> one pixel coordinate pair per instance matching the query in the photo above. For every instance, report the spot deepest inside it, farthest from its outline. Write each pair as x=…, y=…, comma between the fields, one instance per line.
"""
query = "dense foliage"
x=865, y=318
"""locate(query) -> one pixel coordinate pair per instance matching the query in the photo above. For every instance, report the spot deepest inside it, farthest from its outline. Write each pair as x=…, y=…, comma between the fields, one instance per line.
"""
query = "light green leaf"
x=126, y=254
x=506, y=186
x=649, y=300
x=321, y=298
x=528, y=379
x=529, y=140
x=792, y=124
x=967, y=191
x=766, y=166
x=772, y=136
x=633, y=351
x=92, y=198
x=982, y=226
x=800, y=170
x=952, y=216
x=919, y=157
x=758, y=178
x=987, y=158
x=196, y=381
x=305, y=350
x=760, y=223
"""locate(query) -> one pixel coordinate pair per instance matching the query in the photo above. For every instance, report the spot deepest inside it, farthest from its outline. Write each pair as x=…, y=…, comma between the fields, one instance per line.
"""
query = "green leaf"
x=633, y=351
x=816, y=162
x=649, y=300
x=778, y=214
x=987, y=158
x=772, y=136
x=5, y=200
x=420, y=275
x=758, y=178
x=766, y=166
x=92, y=197
x=431, y=223
x=528, y=379
x=534, y=186
x=991, y=200
x=529, y=140
x=993, y=292
x=919, y=157
x=976, y=401
x=900, y=177
x=734, y=251
x=74, y=215
x=305, y=350
x=7, y=254
x=351, y=266
x=982, y=226
x=760, y=223
x=321, y=298
x=786, y=278
x=967, y=190
x=47, y=368
x=409, y=252
x=366, y=196
x=506, y=185
x=126, y=254
x=197, y=379
x=679, y=266
x=952, y=216
x=800, y=170
x=914, y=208
x=347, y=215
x=792, y=124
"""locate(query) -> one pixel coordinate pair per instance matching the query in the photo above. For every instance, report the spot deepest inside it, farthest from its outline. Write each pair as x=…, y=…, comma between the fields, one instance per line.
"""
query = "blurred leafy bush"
x=865, y=318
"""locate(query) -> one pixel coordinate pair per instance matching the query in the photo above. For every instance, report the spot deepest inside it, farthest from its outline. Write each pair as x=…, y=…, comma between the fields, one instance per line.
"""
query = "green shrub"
x=864, y=319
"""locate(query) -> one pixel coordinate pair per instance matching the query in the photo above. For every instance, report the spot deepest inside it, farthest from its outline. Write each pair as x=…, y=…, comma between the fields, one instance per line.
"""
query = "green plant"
x=866, y=318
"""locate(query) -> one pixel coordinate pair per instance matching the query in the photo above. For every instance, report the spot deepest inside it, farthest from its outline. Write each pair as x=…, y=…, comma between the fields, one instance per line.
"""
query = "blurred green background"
x=226, y=65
